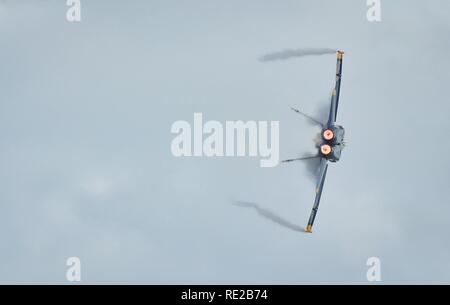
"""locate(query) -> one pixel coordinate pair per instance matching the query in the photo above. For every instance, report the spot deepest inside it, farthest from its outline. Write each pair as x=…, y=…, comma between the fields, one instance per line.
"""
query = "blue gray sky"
x=86, y=167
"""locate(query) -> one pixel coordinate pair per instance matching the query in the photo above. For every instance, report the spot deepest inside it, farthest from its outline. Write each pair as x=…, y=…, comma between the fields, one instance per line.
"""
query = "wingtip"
x=308, y=229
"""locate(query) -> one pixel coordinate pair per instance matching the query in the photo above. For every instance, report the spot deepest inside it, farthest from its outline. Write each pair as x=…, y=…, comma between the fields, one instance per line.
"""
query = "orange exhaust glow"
x=325, y=149
x=328, y=134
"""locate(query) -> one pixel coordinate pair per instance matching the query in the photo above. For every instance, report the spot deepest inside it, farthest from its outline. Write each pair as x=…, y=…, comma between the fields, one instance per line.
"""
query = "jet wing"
x=319, y=186
x=337, y=89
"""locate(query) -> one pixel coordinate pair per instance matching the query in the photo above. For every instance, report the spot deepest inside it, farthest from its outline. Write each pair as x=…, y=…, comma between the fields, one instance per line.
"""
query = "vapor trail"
x=269, y=215
x=289, y=53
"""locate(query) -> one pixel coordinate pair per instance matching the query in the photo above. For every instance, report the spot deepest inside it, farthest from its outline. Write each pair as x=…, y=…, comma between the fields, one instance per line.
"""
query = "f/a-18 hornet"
x=331, y=141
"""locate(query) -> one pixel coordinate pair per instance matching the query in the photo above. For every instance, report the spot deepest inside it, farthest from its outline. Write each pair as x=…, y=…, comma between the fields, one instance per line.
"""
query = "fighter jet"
x=331, y=141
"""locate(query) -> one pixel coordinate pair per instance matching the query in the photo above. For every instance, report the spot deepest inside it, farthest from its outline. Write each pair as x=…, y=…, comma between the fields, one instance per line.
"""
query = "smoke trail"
x=269, y=215
x=289, y=53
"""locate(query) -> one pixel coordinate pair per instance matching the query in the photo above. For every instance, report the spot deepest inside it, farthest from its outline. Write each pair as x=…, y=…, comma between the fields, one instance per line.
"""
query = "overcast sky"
x=86, y=168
